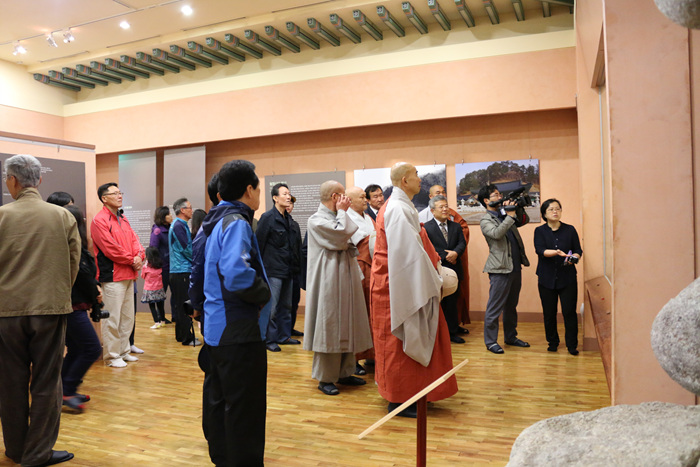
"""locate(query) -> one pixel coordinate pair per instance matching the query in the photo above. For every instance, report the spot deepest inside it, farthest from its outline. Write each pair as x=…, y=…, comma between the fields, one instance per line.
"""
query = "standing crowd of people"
x=376, y=275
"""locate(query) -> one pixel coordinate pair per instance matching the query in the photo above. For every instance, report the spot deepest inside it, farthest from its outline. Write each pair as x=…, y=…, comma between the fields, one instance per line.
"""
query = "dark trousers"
x=84, y=349
x=179, y=286
x=277, y=312
x=235, y=405
x=449, y=309
x=567, y=296
x=504, y=294
x=158, y=314
x=136, y=307
x=31, y=349
x=296, y=297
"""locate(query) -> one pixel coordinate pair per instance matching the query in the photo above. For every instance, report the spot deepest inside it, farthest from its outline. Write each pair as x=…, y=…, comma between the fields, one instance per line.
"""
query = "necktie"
x=443, y=227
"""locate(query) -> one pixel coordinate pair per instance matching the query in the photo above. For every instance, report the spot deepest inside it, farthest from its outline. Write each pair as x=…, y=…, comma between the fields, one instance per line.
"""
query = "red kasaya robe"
x=364, y=259
x=463, y=300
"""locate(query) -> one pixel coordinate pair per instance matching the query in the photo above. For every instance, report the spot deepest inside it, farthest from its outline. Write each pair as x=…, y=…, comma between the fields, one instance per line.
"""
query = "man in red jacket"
x=119, y=256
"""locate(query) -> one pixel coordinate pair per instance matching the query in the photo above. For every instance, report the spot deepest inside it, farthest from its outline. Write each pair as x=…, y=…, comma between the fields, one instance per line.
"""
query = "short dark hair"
x=213, y=189
x=545, y=205
x=371, y=189
x=60, y=198
x=234, y=178
x=75, y=210
x=486, y=192
x=160, y=215
x=276, y=190
x=103, y=189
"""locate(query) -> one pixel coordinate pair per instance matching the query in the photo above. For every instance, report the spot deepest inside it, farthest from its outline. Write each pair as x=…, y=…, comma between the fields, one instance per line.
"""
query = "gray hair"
x=179, y=204
x=433, y=201
x=25, y=168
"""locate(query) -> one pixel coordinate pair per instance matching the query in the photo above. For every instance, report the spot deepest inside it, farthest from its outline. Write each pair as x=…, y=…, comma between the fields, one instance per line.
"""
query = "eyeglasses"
x=186, y=207
x=553, y=209
x=118, y=193
x=498, y=195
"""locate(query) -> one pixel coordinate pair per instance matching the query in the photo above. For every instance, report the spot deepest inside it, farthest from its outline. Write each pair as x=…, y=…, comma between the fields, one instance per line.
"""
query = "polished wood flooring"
x=149, y=414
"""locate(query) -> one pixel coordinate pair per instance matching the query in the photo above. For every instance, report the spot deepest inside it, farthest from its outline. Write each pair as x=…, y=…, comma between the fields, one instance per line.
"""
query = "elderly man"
x=446, y=236
x=119, y=257
x=180, y=241
x=411, y=339
x=363, y=239
x=336, y=325
x=39, y=260
x=375, y=197
x=462, y=296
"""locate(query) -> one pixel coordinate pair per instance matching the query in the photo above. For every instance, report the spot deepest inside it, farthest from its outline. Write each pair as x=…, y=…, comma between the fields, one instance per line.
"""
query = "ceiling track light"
x=125, y=68
x=164, y=56
x=254, y=38
x=185, y=55
x=322, y=32
x=569, y=3
x=86, y=70
x=102, y=68
x=491, y=11
x=219, y=47
x=414, y=18
x=213, y=56
x=337, y=21
x=465, y=13
x=390, y=22
x=58, y=76
x=46, y=80
x=50, y=40
x=19, y=50
x=134, y=65
x=68, y=37
x=546, y=11
x=239, y=44
x=296, y=31
x=367, y=25
x=71, y=73
x=439, y=15
x=152, y=61
x=519, y=10
x=282, y=40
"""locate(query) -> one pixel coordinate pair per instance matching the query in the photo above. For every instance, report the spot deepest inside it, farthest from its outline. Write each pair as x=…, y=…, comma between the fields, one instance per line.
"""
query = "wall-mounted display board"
x=429, y=175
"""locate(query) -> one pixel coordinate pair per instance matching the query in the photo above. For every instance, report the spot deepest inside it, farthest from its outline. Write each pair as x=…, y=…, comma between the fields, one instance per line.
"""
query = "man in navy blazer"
x=448, y=240
x=375, y=200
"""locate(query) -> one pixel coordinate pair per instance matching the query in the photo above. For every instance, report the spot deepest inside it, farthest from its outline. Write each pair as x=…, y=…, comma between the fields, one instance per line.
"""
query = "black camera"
x=520, y=198
x=187, y=308
x=571, y=260
x=97, y=313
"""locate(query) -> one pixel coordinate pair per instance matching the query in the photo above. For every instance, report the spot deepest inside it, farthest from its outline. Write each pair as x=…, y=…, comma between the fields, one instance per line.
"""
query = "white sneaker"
x=135, y=349
x=157, y=325
x=116, y=363
x=130, y=358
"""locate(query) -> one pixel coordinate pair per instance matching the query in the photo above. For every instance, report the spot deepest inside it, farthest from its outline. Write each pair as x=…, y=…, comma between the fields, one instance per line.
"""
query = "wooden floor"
x=149, y=414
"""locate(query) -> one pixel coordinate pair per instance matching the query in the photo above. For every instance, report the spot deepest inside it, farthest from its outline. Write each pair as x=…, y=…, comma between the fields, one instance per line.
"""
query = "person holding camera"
x=558, y=248
x=503, y=265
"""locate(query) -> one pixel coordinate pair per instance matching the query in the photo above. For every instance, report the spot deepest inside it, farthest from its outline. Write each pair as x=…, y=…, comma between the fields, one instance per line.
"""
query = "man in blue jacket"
x=180, y=242
x=231, y=286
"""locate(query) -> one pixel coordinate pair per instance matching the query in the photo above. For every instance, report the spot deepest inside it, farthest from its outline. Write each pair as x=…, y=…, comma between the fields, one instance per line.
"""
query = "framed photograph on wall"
x=518, y=178
x=429, y=175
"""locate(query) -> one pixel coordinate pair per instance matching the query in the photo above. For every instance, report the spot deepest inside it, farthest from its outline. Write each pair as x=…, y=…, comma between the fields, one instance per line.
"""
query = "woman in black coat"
x=558, y=249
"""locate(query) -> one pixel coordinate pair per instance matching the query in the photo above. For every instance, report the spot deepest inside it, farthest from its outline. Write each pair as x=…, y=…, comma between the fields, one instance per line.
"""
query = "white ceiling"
x=159, y=24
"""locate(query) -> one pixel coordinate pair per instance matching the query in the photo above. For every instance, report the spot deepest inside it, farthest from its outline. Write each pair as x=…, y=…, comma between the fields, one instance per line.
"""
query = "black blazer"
x=455, y=242
x=371, y=213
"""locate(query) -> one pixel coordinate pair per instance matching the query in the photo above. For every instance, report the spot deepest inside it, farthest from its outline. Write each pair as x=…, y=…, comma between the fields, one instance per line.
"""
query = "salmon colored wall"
x=650, y=146
x=27, y=122
x=492, y=85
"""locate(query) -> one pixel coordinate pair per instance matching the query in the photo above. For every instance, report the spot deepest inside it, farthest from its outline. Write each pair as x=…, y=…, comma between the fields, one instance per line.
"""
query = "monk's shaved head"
x=400, y=170
x=354, y=191
x=437, y=190
x=330, y=187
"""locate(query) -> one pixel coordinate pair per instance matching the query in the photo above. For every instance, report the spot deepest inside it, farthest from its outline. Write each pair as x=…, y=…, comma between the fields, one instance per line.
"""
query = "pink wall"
x=501, y=84
x=27, y=122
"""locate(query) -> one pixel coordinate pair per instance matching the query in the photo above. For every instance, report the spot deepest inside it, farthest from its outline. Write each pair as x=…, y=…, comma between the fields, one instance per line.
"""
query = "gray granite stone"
x=683, y=12
x=675, y=337
x=650, y=434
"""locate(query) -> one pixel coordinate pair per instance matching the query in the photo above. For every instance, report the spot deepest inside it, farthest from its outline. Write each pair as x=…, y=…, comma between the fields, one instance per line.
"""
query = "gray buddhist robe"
x=335, y=314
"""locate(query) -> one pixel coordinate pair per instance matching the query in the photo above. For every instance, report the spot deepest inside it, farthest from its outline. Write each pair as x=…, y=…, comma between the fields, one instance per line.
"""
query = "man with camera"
x=506, y=256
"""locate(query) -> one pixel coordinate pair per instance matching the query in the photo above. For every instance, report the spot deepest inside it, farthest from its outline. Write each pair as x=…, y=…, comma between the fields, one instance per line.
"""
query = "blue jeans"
x=84, y=349
x=276, y=317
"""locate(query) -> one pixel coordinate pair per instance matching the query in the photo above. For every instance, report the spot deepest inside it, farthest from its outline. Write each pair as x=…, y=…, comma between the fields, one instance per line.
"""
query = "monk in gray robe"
x=336, y=325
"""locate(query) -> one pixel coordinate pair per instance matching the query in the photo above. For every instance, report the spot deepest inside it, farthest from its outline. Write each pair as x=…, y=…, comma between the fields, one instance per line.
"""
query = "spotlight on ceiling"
x=68, y=37
x=367, y=25
x=50, y=40
x=19, y=49
x=389, y=21
x=414, y=18
x=124, y=24
x=186, y=10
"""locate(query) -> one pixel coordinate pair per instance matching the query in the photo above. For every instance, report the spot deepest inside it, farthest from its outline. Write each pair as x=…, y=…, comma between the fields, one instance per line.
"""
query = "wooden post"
x=421, y=431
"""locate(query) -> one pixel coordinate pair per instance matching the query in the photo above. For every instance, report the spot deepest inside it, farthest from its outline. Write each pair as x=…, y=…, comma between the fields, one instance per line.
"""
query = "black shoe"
x=272, y=347
x=59, y=456
x=462, y=330
x=328, y=389
x=359, y=369
x=290, y=341
x=495, y=348
x=409, y=412
x=456, y=339
x=352, y=381
x=296, y=333
x=573, y=351
x=82, y=397
x=167, y=321
x=73, y=404
x=552, y=347
x=518, y=343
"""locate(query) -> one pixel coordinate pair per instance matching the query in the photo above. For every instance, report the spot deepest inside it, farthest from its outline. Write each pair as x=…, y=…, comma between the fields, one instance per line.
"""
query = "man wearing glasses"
x=119, y=256
x=180, y=242
x=506, y=256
